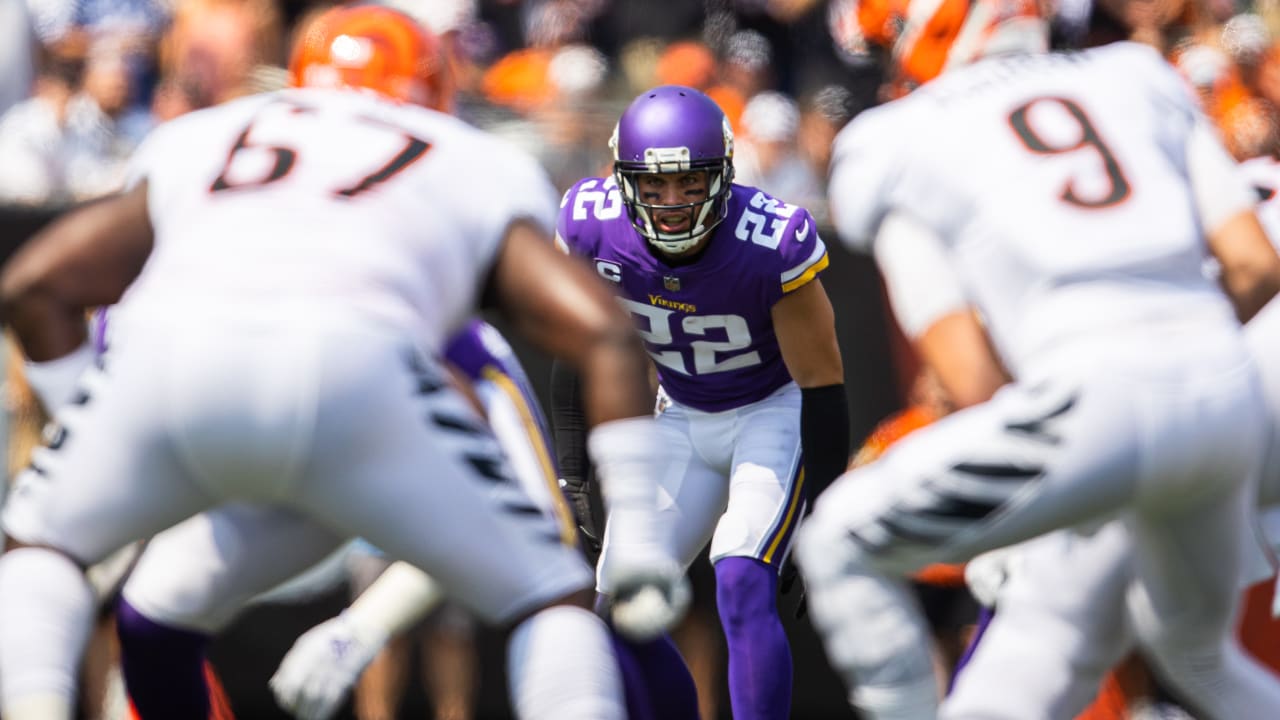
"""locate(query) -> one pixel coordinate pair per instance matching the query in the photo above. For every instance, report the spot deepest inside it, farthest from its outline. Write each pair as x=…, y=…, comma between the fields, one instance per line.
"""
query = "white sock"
x=560, y=664
x=46, y=613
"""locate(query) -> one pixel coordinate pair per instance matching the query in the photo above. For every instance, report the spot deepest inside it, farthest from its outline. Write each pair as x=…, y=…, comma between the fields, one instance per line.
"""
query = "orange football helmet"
x=926, y=37
x=376, y=48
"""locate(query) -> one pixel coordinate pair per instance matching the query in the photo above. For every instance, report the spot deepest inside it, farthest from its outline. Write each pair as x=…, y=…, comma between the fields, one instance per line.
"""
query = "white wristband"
x=54, y=381
x=625, y=453
x=396, y=601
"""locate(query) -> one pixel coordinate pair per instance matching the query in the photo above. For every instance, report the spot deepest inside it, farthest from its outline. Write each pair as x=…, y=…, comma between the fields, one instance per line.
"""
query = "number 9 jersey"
x=967, y=159
x=397, y=224
x=707, y=322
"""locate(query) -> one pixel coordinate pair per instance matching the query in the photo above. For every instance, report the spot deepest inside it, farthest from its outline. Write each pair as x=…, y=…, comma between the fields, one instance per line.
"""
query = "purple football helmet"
x=673, y=129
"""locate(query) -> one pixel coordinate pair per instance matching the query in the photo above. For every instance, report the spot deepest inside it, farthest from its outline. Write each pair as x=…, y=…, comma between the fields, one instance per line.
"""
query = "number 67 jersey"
x=325, y=204
x=1071, y=193
x=706, y=322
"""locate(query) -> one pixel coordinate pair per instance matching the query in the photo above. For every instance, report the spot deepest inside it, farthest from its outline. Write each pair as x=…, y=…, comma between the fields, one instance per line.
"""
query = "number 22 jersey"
x=707, y=324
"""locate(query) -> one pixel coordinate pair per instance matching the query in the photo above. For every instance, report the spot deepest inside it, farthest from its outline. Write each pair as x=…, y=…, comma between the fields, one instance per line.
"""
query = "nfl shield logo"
x=671, y=282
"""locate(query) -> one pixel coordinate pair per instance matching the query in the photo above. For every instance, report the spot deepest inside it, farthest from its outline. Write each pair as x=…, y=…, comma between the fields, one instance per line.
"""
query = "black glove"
x=578, y=493
x=789, y=580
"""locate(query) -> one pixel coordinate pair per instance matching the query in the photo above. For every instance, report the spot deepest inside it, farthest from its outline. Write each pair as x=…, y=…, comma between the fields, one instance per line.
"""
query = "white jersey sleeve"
x=864, y=170
x=922, y=282
x=1220, y=190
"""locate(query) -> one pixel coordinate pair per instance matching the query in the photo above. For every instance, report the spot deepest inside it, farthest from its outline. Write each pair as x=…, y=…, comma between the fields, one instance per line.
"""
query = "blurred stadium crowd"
x=85, y=80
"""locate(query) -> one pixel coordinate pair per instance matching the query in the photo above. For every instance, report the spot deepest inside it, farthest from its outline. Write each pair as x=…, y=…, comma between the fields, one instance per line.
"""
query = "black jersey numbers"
x=413, y=149
x=1088, y=139
x=275, y=162
x=284, y=161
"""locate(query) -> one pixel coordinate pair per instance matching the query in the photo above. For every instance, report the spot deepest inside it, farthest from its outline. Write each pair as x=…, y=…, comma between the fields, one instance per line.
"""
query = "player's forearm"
x=47, y=327
x=824, y=435
x=615, y=378
x=958, y=350
x=1250, y=268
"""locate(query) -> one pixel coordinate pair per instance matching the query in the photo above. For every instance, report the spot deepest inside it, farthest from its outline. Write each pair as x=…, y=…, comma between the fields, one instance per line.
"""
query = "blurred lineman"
x=194, y=578
x=1075, y=268
x=300, y=258
x=722, y=280
x=1067, y=589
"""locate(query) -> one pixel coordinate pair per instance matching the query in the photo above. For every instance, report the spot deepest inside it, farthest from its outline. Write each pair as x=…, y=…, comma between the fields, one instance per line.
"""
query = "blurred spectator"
x=1163, y=24
x=822, y=114
x=1245, y=39
x=639, y=62
x=767, y=155
x=17, y=53
x=211, y=52
x=1250, y=129
x=1268, y=79
x=621, y=22
x=1230, y=82
x=521, y=79
x=574, y=129
x=687, y=62
x=71, y=141
x=745, y=69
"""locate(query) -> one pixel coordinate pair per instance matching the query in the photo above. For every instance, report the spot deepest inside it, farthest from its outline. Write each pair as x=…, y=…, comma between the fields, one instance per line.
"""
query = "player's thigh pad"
x=201, y=572
x=766, y=498
x=402, y=460
x=107, y=473
x=1027, y=461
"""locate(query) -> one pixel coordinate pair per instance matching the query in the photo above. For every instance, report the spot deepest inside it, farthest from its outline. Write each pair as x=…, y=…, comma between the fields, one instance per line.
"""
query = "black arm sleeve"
x=569, y=428
x=824, y=436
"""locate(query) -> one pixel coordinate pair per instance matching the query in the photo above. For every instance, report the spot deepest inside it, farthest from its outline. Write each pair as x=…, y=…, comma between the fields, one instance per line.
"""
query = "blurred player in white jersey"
x=1061, y=621
x=1042, y=221
x=285, y=269
x=194, y=578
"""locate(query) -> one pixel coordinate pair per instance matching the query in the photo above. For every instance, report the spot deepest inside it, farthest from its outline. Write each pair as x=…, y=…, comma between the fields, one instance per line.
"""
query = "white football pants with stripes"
x=1174, y=439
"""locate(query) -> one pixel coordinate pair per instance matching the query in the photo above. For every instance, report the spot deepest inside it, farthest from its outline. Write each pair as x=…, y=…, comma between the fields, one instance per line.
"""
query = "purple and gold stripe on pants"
x=777, y=543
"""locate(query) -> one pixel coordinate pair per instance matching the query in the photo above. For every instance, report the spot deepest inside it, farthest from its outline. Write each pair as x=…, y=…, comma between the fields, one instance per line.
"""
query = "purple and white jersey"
x=708, y=325
x=485, y=358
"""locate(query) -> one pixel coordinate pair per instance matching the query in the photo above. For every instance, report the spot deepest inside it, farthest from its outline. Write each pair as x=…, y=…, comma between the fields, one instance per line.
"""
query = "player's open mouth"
x=673, y=222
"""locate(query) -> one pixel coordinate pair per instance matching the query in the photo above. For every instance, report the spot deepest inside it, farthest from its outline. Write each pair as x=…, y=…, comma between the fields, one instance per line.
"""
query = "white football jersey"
x=1063, y=188
x=323, y=203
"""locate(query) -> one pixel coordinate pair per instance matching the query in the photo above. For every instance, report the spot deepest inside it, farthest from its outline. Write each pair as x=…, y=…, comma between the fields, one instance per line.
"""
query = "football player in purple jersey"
x=722, y=281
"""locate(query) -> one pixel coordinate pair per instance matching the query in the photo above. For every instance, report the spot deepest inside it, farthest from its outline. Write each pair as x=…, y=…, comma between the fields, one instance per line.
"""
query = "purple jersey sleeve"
x=482, y=355
x=789, y=230
x=588, y=202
